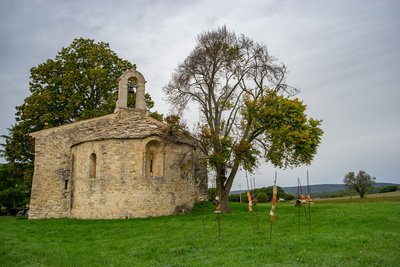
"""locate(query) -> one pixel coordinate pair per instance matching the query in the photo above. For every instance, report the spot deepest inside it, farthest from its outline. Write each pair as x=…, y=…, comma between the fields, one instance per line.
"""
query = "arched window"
x=154, y=159
x=92, y=165
x=151, y=165
x=66, y=184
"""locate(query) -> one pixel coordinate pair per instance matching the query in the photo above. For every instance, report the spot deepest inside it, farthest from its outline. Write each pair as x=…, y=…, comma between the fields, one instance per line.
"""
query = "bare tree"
x=245, y=107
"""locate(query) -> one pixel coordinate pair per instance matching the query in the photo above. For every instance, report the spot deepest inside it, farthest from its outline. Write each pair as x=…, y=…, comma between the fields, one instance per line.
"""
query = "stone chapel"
x=122, y=165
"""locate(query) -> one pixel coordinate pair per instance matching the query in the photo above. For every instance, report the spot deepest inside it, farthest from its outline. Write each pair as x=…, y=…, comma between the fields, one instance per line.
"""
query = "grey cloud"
x=343, y=55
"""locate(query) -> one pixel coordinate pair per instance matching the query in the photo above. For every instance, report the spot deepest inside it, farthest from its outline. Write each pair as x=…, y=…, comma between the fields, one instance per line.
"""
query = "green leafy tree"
x=14, y=190
x=248, y=112
x=289, y=196
x=79, y=83
x=359, y=183
x=388, y=188
x=269, y=192
x=262, y=197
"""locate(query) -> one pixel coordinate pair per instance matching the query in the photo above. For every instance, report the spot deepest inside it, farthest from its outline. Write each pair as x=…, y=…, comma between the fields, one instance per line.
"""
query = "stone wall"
x=122, y=186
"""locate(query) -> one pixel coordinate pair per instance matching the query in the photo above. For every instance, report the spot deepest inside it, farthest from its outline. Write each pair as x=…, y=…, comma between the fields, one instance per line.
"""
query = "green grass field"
x=343, y=234
x=379, y=197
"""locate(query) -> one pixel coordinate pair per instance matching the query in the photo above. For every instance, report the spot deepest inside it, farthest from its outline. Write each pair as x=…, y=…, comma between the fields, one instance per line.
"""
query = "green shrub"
x=234, y=198
x=389, y=188
x=289, y=197
x=262, y=198
x=212, y=192
x=244, y=198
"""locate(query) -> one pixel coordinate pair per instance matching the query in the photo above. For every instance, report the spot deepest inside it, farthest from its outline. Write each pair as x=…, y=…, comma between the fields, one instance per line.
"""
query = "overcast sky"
x=343, y=55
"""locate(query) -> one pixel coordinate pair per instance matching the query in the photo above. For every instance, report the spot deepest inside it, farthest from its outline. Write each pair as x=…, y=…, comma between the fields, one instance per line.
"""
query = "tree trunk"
x=221, y=190
x=224, y=202
x=224, y=185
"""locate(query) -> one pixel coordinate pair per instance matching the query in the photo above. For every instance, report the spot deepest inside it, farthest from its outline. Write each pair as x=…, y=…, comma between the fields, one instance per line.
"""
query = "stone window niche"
x=154, y=160
x=92, y=165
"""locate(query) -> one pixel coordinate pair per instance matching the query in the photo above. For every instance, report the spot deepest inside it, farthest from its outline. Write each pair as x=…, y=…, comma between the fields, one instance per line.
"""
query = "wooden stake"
x=272, y=212
x=219, y=227
x=298, y=197
x=309, y=203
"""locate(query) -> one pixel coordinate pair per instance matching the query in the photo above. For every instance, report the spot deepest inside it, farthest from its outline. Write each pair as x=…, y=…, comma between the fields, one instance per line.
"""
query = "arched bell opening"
x=132, y=88
x=131, y=91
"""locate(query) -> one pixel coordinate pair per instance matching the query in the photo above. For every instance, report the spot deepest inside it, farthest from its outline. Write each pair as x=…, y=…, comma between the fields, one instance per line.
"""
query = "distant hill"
x=318, y=188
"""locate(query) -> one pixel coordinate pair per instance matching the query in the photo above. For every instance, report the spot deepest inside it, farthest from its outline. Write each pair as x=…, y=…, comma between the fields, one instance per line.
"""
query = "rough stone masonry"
x=122, y=165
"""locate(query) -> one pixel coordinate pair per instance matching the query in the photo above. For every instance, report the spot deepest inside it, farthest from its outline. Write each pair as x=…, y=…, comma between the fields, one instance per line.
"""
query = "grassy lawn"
x=344, y=234
x=380, y=197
